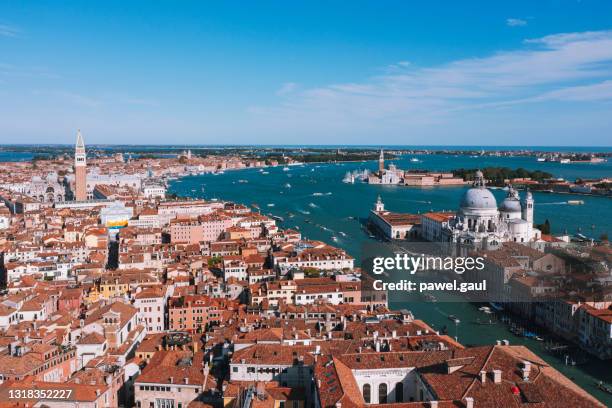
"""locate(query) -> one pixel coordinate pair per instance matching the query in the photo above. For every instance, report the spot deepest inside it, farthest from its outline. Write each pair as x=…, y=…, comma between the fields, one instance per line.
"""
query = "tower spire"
x=80, y=171
x=80, y=143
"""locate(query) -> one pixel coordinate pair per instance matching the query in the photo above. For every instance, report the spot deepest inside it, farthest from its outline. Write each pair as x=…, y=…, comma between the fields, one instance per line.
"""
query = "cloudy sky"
x=411, y=73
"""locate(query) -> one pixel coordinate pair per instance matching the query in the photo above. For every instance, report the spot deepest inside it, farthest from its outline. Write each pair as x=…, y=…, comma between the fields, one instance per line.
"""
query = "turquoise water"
x=321, y=206
x=15, y=156
x=339, y=201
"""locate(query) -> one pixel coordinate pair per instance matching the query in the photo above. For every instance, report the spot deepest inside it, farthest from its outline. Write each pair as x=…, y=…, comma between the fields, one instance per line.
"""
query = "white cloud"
x=571, y=67
x=515, y=22
x=286, y=88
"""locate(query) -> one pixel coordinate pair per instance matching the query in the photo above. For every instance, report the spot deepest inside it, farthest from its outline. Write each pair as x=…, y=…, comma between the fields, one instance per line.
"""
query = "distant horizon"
x=331, y=146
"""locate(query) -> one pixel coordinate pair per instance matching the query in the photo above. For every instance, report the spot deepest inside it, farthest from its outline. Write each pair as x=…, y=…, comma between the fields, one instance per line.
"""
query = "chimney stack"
x=433, y=404
x=469, y=402
x=497, y=376
x=526, y=370
x=483, y=376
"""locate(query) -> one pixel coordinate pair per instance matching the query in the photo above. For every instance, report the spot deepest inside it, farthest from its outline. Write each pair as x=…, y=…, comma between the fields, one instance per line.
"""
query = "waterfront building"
x=394, y=225
x=433, y=223
x=80, y=169
x=153, y=189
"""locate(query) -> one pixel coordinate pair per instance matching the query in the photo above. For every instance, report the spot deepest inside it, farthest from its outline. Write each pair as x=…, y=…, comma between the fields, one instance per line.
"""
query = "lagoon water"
x=313, y=199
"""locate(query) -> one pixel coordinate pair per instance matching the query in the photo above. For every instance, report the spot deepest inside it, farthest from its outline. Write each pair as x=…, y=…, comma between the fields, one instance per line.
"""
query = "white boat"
x=541, y=159
x=285, y=168
x=317, y=194
x=287, y=185
x=575, y=202
x=414, y=160
x=271, y=205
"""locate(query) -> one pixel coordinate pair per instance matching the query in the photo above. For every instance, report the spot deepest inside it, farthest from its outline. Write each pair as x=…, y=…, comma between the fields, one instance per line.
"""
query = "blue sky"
x=406, y=72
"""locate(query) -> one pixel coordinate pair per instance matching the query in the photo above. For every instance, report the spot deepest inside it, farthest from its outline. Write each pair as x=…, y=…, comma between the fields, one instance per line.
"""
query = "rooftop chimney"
x=526, y=370
x=433, y=404
x=469, y=402
x=483, y=376
x=497, y=376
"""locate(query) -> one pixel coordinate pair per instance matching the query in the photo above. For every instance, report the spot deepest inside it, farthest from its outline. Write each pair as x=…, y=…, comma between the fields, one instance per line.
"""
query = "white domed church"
x=480, y=223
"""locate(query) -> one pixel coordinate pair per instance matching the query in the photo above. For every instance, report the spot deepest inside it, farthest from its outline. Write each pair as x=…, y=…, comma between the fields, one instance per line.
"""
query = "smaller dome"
x=510, y=204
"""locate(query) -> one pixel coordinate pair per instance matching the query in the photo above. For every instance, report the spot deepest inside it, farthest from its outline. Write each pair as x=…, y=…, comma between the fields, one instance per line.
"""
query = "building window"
x=366, y=393
x=399, y=392
x=382, y=393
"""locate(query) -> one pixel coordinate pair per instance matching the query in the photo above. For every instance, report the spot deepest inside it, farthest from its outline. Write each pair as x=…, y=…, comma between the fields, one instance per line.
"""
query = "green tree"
x=545, y=228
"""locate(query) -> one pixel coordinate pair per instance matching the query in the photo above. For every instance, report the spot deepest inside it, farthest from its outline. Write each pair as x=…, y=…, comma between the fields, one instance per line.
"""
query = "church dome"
x=480, y=198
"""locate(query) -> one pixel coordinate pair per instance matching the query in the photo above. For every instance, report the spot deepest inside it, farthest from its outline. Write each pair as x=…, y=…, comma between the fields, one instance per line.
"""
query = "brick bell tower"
x=80, y=169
